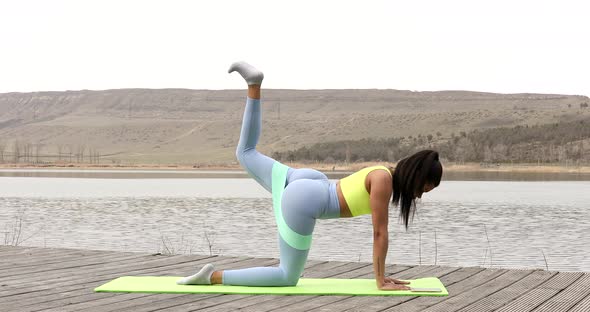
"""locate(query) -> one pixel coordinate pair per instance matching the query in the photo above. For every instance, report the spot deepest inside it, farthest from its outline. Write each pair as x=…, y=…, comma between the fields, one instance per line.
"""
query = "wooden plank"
x=562, y=280
x=83, y=280
x=68, y=260
x=469, y=296
x=20, y=261
x=154, y=299
x=352, y=301
x=15, y=252
x=40, y=251
x=238, y=300
x=90, y=280
x=232, y=264
x=467, y=283
x=331, y=303
x=509, y=293
x=532, y=299
x=419, y=303
x=67, y=264
x=201, y=304
x=90, y=301
x=243, y=301
x=310, y=267
x=248, y=300
x=111, y=264
x=67, y=285
x=582, y=306
x=323, y=267
x=343, y=269
x=79, y=295
x=292, y=301
x=23, y=278
x=567, y=298
x=155, y=306
x=7, y=249
x=258, y=303
x=25, y=253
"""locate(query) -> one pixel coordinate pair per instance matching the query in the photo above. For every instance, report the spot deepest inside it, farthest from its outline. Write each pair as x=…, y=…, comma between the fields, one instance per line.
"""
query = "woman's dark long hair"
x=409, y=177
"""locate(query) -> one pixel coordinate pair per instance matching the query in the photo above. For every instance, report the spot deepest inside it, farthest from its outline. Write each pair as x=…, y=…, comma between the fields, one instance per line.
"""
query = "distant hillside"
x=566, y=143
x=195, y=126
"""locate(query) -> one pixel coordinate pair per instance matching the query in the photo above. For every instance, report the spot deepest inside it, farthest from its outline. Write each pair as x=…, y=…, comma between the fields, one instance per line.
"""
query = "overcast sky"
x=496, y=46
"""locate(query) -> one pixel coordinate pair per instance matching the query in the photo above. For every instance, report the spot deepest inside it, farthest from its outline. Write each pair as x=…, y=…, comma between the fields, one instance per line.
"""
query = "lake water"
x=511, y=224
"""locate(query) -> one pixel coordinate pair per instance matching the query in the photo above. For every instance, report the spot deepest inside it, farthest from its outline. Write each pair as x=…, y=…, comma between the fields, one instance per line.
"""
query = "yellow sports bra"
x=355, y=193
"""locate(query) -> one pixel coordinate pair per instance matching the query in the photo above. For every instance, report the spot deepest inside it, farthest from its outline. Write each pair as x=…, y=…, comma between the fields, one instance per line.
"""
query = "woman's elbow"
x=380, y=235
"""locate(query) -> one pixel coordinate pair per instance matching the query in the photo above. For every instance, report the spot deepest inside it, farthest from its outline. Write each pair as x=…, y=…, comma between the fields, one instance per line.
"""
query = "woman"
x=300, y=196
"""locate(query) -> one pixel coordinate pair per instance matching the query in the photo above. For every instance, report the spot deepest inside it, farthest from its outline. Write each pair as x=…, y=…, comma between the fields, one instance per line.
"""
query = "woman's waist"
x=332, y=209
x=344, y=209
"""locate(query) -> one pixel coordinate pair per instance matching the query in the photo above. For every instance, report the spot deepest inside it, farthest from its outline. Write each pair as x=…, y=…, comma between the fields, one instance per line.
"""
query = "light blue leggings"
x=308, y=195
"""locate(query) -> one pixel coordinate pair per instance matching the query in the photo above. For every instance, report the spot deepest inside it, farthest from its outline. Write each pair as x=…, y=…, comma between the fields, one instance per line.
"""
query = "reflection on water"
x=523, y=220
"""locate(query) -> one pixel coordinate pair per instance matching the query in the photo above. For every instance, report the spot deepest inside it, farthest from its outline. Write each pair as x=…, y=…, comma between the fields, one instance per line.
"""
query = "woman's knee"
x=242, y=154
x=250, y=159
x=291, y=281
x=289, y=278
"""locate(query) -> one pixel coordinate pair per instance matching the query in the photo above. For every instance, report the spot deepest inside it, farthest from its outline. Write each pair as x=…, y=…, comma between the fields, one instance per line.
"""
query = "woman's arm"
x=379, y=194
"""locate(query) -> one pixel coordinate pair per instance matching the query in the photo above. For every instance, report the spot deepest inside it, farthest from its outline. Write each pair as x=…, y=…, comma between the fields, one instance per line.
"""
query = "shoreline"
x=329, y=167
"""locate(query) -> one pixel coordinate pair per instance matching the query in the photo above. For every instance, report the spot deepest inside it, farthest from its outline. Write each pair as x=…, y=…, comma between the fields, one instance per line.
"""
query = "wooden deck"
x=45, y=279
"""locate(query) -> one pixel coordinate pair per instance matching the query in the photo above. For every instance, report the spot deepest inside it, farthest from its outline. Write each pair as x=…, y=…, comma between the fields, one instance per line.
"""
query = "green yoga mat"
x=306, y=286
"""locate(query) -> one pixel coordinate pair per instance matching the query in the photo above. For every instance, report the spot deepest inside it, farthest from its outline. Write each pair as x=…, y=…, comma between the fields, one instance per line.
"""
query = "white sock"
x=203, y=277
x=252, y=75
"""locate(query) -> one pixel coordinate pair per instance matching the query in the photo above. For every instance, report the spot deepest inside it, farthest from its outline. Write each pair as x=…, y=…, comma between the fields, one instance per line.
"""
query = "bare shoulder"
x=379, y=179
x=380, y=175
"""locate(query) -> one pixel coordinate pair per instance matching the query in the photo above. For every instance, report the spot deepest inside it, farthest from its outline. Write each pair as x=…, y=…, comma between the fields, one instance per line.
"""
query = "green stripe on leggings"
x=294, y=239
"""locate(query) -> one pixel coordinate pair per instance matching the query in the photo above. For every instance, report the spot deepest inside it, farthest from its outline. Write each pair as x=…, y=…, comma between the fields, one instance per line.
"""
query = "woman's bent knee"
x=290, y=281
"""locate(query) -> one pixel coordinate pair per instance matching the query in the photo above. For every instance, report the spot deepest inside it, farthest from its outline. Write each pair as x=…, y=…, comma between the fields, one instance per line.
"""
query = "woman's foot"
x=250, y=73
x=203, y=277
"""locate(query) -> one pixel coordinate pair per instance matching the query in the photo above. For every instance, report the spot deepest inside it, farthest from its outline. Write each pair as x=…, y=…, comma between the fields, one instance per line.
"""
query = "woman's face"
x=427, y=188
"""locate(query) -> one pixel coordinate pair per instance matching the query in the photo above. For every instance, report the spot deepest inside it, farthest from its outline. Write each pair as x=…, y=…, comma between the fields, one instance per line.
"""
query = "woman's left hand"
x=394, y=281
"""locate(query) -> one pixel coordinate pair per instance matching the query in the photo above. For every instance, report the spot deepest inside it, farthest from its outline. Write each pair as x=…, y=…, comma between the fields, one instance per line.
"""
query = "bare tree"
x=38, y=148
x=2, y=147
x=30, y=149
x=60, y=148
x=27, y=151
x=93, y=155
x=70, y=152
x=80, y=153
x=488, y=154
x=16, y=150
